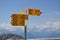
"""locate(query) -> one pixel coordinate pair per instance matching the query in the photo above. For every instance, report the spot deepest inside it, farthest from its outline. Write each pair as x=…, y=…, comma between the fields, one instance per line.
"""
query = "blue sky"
x=50, y=14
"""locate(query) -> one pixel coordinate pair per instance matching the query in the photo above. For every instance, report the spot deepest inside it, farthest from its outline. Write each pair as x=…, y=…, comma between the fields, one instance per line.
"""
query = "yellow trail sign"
x=18, y=19
x=35, y=12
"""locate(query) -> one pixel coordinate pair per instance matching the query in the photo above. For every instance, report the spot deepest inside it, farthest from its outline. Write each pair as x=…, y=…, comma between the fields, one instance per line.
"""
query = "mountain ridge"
x=10, y=36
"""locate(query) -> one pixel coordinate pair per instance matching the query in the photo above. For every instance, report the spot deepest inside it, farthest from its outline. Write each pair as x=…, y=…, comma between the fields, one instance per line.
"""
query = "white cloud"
x=51, y=26
x=9, y=27
x=56, y=24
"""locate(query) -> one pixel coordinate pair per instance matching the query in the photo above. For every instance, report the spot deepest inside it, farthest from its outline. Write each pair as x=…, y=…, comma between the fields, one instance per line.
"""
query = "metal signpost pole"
x=25, y=33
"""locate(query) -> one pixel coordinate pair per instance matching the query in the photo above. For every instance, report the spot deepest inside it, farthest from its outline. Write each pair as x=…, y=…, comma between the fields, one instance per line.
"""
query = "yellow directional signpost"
x=22, y=12
x=14, y=20
x=19, y=19
x=34, y=12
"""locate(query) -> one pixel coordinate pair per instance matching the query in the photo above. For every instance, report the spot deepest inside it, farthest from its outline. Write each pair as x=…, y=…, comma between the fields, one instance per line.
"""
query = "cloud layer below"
x=49, y=27
x=52, y=26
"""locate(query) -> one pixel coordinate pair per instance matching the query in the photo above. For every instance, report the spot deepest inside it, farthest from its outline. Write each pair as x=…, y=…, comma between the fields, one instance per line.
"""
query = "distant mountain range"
x=10, y=37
